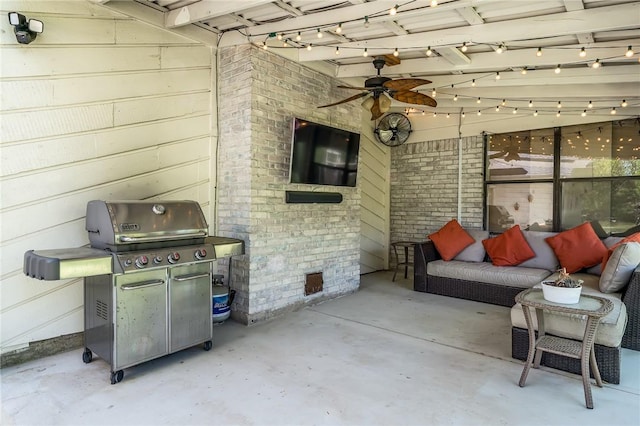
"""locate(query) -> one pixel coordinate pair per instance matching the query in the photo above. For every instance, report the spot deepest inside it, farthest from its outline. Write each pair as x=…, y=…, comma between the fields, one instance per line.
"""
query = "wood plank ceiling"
x=470, y=49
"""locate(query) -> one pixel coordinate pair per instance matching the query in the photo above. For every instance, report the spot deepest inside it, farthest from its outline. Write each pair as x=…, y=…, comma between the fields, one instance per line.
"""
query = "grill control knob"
x=200, y=254
x=173, y=257
x=157, y=259
x=141, y=261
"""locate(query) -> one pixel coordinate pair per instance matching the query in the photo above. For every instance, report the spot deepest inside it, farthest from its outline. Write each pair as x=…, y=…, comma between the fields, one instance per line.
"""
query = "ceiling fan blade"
x=353, y=87
x=405, y=83
x=375, y=109
x=413, y=98
x=349, y=99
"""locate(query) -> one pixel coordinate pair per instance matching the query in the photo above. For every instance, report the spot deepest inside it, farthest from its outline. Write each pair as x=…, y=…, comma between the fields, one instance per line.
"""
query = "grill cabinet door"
x=140, y=318
x=190, y=305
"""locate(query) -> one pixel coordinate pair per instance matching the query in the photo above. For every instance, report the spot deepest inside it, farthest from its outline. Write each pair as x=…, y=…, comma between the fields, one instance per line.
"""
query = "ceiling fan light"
x=385, y=103
x=367, y=103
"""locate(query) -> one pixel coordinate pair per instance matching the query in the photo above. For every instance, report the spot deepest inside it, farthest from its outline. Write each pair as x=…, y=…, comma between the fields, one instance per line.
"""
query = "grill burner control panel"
x=161, y=258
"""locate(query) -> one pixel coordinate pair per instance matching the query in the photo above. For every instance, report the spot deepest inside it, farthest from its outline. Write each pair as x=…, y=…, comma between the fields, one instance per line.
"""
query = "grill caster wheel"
x=87, y=356
x=208, y=345
x=116, y=376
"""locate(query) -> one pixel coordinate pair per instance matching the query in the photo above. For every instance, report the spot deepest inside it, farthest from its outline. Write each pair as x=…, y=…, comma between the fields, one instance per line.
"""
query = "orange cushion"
x=577, y=248
x=508, y=249
x=451, y=239
x=630, y=239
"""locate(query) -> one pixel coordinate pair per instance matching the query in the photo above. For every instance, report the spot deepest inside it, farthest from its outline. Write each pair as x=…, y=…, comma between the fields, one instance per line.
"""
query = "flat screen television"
x=323, y=155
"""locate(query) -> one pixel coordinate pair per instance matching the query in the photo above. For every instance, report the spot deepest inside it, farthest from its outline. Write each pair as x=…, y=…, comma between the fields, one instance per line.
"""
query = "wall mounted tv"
x=323, y=155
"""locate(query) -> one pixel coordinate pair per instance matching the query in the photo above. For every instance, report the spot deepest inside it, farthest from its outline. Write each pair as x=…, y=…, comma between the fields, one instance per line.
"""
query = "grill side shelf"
x=61, y=264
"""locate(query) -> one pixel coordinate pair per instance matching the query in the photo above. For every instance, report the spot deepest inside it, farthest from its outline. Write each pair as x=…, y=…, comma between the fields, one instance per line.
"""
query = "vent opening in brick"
x=313, y=283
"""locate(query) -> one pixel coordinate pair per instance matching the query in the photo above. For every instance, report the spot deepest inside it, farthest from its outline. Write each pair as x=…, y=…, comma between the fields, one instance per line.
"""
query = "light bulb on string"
x=559, y=104
x=393, y=10
x=280, y=36
x=464, y=47
x=523, y=71
x=396, y=53
x=558, y=114
x=473, y=83
x=434, y=3
x=429, y=51
x=613, y=111
x=515, y=111
x=557, y=70
x=596, y=64
x=366, y=22
x=539, y=52
x=285, y=43
x=264, y=46
x=590, y=105
x=478, y=101
x=309, y=46
x=504, y=102
x=319, y=33
x=582, y=53
x=365, y=53
x=339, y=28
x=433, y=93
x=497, y=108
x=463, y=114
x=299, y=36
x=629, y=52
x=337, y=50
x=535, y=113
x=624, y=103
x=530, y=104
x=479, y=112
x=455, y=97
x=448, y=115
x=498, y=75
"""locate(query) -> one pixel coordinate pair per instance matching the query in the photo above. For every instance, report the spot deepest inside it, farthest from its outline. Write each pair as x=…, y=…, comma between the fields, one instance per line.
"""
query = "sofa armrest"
x=423, y=253
x=631, y=299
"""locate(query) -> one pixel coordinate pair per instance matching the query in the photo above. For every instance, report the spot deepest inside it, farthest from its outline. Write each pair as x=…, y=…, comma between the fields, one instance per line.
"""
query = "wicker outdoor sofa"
x=432, y=280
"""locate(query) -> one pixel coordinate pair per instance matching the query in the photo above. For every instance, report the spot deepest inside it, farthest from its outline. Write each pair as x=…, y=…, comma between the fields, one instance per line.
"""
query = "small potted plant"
x=563, y=289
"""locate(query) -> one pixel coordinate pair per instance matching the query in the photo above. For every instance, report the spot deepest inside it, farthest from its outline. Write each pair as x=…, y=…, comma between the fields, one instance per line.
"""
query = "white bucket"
x=220, y=303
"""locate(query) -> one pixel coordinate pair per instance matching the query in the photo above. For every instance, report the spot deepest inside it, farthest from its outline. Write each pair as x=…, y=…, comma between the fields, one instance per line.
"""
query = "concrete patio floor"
x=385, y=355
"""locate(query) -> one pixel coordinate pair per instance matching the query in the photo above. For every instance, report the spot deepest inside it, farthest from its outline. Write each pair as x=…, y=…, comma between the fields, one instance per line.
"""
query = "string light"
x=455, y=97
x=429, y=51
x=434, y=3
x=366, y=22
x=523, y=71
x=464, y=47
x=396, y=53
x=535, y=113
x=557, y=70
x=393, y=10
x=596, y=64
x=264, y=46
x=337, y=50
x=590, y=105
x=624, y=103
x=280, y=36
x=497, y=108
x=515, y=110
x=539, y=52
x=339, y=28
x=285, y=43
x=629, y=52
x=478, y=101
x=473, y=83
x=500, y=49
x=582, y=53
x=463, y=114
x=504, y=102
x=558, y=114
x=613, y=110
x=319, y=33
x=498, y=75
x=448, y=115
x=309, y=46
x=433, y=93
x=365, y=53
x=298, y=37
x=559, y=104
x=479, y=112
x=530, y=104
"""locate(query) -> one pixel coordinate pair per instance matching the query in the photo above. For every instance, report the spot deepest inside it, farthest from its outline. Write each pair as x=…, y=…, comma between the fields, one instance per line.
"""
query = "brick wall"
x=260, y=92
x=424, y=186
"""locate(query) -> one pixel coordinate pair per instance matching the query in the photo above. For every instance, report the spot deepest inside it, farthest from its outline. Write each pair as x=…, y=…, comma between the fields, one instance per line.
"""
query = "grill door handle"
x=129, y=239
x=142, y=284
x=190, y=277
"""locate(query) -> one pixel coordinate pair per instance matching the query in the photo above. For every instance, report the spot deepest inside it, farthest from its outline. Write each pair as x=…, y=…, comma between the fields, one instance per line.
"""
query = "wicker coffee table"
x=592, y=306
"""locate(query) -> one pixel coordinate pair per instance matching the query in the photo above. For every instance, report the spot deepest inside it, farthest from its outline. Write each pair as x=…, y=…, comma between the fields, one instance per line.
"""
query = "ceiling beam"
x=566, y=23
x=204, y=10
x=454, y=56
x=470, y=15
x=285, y=6
x=356, y=12
x=491, y=61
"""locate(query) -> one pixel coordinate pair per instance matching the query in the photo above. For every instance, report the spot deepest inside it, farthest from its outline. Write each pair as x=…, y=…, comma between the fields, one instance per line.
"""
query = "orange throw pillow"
x=451, y=239
x=630, y=239
x=578, y=248
x=508, y=249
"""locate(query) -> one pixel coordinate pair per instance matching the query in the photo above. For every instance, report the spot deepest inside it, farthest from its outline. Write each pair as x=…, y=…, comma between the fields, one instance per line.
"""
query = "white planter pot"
x=564, y=295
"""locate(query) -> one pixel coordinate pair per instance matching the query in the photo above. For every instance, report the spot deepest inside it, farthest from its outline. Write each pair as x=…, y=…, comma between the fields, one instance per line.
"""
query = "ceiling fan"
x=381, y=88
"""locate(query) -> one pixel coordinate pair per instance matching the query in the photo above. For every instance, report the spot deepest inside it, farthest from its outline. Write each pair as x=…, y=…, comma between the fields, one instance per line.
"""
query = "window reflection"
x=520, y=155
x=529, y=205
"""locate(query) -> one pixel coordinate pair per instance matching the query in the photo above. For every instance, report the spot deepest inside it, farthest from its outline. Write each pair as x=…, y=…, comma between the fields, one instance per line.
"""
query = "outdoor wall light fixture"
x=26, y=31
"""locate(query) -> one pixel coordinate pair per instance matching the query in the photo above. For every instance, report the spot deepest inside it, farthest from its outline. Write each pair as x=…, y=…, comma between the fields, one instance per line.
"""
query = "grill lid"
x=113, y=224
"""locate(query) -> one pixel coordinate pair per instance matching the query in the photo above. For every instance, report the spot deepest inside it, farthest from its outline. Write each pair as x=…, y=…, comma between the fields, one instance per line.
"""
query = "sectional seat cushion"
x=485, y=272
x=631, y=238
x=608, y=242
x=545, y=257
x=451, y=239
x=620, y=266
x=610, y=329
x=474, y=252
x=508, y=249
x=577, y=248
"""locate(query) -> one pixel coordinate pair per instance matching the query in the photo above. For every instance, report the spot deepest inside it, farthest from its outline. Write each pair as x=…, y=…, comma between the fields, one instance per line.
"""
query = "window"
x=555, y=179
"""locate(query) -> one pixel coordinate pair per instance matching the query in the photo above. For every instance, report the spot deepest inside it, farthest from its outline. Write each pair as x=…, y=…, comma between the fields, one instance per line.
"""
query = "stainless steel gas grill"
x=147, y=279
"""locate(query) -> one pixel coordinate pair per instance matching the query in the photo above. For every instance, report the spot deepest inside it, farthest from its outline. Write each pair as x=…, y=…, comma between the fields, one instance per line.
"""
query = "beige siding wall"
x=373, y=176
x=100, y=106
